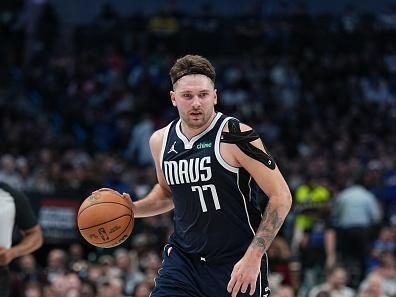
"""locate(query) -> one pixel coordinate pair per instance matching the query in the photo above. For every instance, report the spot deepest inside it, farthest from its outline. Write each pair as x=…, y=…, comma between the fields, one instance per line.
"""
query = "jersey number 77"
x=201, y=190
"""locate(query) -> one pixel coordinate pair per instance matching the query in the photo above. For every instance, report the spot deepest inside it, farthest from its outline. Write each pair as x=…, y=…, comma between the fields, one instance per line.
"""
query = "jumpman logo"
x=172, y=149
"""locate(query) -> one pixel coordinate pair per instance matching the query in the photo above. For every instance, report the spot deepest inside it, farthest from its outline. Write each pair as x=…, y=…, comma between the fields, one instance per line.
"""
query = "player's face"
x=194, y=96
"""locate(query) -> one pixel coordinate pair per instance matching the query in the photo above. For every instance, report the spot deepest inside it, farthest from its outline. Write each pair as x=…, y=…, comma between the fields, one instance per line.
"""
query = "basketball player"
x=15, y=210
x=228, y=196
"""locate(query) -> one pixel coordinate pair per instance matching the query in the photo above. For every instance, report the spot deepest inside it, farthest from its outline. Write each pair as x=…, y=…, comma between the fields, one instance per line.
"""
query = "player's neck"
x=190, y=132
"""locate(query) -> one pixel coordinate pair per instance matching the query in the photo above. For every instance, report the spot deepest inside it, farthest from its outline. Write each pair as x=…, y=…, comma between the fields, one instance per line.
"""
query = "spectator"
x=8, y=172
x=96, y=273
x=88, y=289
x=335, y=284
x=137, y=148
x=314, y=239
x=386, y=242
x=323, y=294
x=279, y=253
x=130, y=273
x=32, y=289
x=57, y=265
x=385, y=273
x=142, y=289
x=285, y=291
x=28, y=272
x=371, y=287
x=356, y=212
x=110, y=288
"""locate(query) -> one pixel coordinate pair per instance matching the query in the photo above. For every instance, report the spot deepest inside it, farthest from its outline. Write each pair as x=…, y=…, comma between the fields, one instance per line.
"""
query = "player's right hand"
x=244, y=275
x=128, y=198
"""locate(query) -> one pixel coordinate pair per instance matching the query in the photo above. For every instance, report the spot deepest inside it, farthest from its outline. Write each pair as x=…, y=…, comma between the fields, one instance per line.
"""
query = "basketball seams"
x=85, y=228
x=100, y=244
x=122, y=233
x=102, y=202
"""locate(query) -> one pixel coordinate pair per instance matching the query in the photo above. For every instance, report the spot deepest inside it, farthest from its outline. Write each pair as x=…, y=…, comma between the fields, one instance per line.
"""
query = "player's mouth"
x=195, y=113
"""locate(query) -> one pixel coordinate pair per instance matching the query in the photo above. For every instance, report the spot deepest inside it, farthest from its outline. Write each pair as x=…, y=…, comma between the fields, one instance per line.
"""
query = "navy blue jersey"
x=215, y=213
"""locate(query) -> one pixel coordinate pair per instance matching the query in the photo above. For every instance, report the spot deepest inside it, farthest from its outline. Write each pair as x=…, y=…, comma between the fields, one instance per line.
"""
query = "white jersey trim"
x=266, y=262
x=217, y=149
x=260, y=282
x=267, y=290
x=188, y=144
x=164, y=140
x=244, y=203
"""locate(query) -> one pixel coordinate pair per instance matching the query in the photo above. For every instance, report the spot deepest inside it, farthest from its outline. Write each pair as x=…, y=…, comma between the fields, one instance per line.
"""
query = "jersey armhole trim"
x=217, y=149
x=164, y=141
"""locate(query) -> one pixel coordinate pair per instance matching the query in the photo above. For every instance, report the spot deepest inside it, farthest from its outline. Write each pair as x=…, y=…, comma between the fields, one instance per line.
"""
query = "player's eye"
x=187, y=96
x=203, y=95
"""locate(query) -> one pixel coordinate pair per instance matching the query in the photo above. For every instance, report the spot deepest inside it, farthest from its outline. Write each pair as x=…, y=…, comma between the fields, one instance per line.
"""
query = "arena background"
x=84, y=83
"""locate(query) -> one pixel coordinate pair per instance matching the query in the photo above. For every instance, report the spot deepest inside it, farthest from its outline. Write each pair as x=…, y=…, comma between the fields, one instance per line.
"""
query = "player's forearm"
x=32, y=240
x=273, y=217
x=158, y=201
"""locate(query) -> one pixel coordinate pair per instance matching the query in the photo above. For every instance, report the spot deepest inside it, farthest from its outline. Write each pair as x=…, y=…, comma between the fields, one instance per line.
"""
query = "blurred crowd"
x=78, y=105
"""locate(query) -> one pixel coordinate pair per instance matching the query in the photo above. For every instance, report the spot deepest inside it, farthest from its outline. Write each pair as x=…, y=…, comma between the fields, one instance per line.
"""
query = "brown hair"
x=192, y=64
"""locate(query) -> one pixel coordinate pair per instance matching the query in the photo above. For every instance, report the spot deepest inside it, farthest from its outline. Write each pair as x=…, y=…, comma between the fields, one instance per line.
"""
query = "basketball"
x=105, y=219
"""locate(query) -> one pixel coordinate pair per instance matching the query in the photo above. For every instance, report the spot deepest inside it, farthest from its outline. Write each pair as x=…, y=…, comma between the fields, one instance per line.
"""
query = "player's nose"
x=196, y=102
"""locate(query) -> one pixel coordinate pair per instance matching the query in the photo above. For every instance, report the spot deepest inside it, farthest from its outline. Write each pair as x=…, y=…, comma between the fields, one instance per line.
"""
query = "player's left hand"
x=244, y=275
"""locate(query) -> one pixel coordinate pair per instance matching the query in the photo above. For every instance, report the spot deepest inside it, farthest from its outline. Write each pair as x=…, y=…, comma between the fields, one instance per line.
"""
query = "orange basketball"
x=105, y=219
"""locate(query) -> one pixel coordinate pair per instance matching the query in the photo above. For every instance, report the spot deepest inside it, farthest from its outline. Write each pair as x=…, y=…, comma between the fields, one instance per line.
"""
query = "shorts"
x=184, y=276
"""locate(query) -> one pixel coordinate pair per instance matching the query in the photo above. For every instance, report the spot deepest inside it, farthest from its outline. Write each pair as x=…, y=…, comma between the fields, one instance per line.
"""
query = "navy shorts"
x=185, y=276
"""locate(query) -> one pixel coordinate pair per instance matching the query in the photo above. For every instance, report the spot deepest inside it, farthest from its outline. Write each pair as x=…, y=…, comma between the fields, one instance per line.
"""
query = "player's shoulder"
x=157, y=137
x=242, y=126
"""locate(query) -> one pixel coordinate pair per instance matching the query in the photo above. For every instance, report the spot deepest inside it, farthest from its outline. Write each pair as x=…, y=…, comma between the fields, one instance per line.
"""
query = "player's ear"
x=215, y=96
x=173, y=97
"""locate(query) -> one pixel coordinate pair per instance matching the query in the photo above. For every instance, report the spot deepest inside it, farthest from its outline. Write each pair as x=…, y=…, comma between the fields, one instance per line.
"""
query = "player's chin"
x=195, y=124
x=197, y=120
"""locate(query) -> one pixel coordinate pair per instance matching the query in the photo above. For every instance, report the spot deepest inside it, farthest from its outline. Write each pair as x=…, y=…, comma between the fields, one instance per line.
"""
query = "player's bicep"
x=251, y=154
x=247, y=141
x=269, y=180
